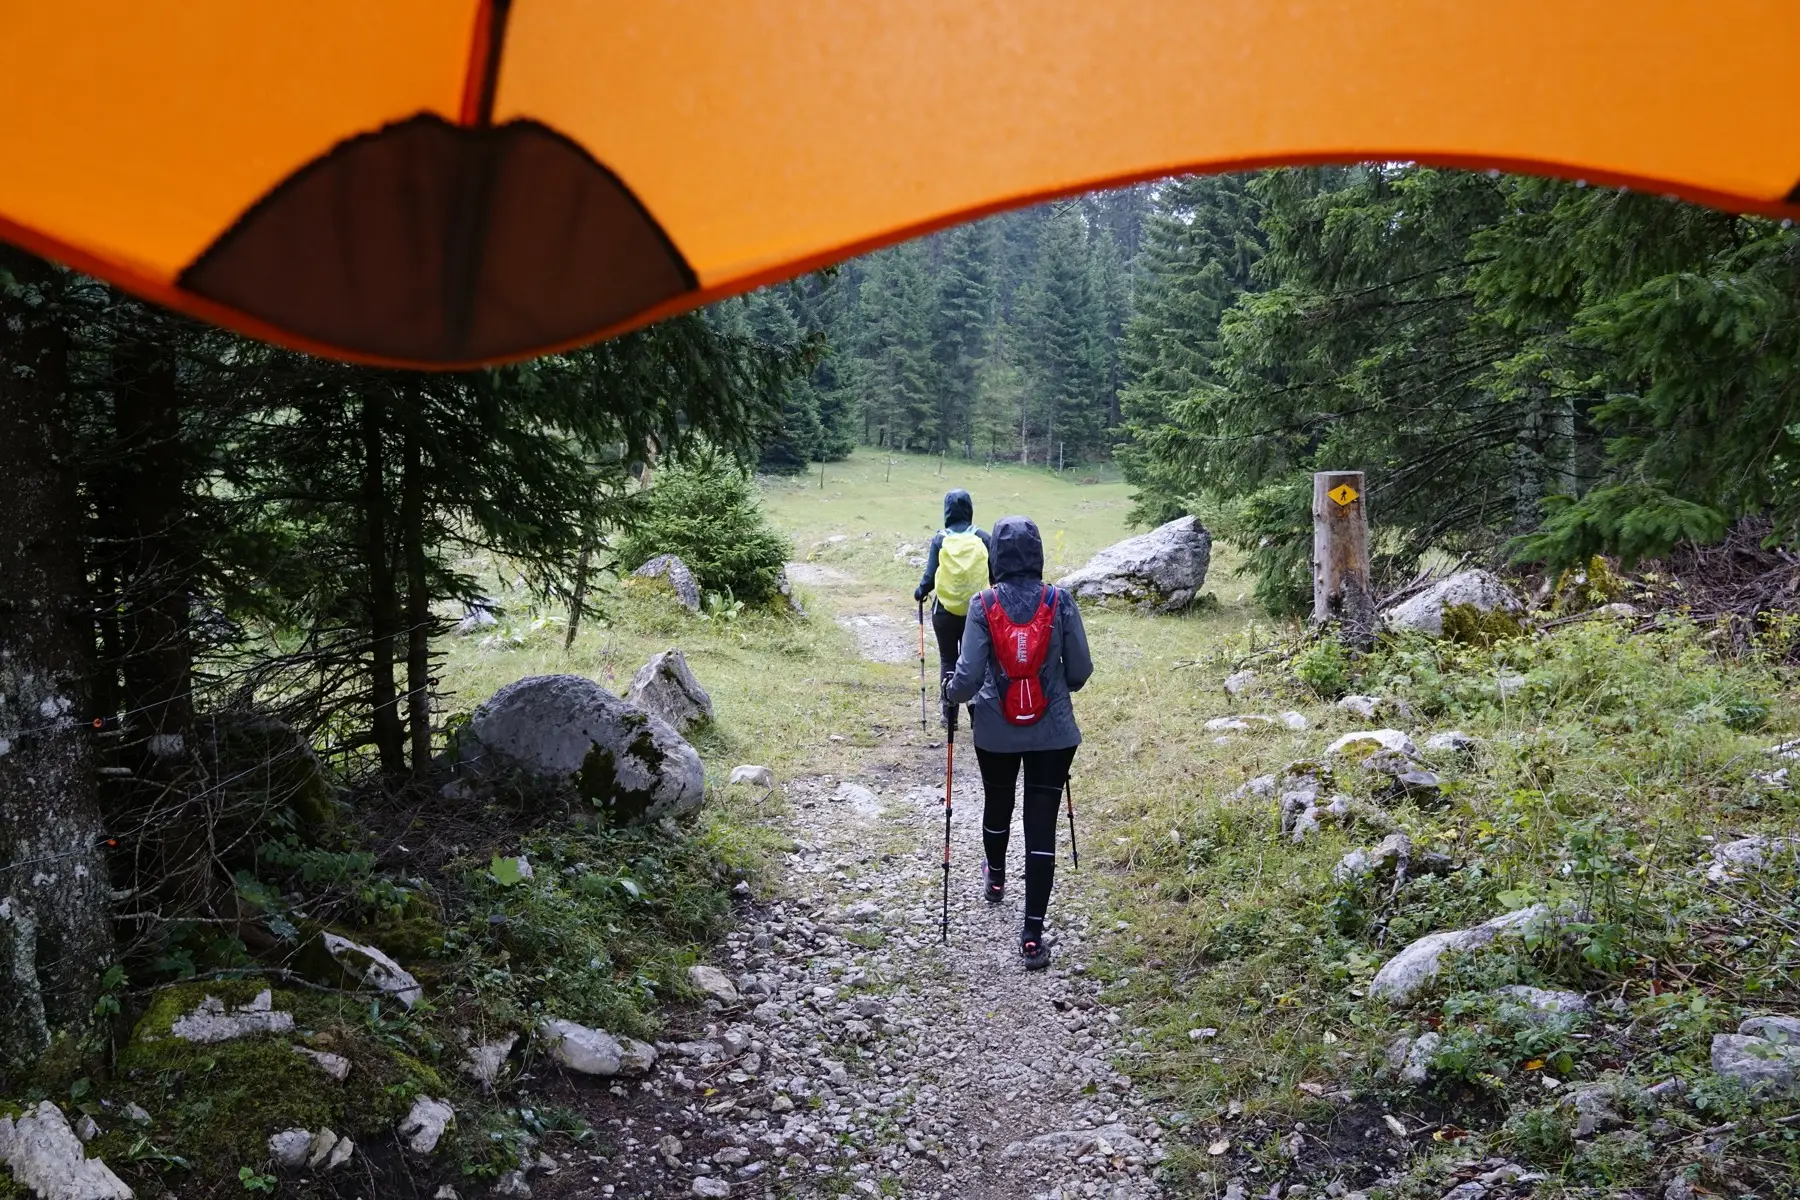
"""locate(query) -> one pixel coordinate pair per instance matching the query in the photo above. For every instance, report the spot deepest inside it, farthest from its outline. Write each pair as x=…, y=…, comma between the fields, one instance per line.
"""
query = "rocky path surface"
x=862, y=1055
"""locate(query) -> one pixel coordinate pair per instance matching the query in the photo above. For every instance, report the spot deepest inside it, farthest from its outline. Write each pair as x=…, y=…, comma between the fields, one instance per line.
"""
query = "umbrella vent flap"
x=437, y=243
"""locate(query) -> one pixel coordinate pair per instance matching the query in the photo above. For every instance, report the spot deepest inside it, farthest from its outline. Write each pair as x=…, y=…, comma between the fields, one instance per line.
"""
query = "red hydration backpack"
x=1021, y=650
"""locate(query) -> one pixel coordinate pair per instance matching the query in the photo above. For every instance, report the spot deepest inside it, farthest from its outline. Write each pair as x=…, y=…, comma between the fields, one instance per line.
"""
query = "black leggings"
x=1045, y=773
x=949, y=630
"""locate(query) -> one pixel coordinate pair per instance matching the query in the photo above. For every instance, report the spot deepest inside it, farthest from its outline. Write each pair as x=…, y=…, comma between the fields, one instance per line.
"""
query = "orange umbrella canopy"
x=448, y=182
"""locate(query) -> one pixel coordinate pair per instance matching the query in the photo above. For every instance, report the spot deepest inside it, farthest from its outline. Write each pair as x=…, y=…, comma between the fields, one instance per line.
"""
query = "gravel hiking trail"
x=865, y=1056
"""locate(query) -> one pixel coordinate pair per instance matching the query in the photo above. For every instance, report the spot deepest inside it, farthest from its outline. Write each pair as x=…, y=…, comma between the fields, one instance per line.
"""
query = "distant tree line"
x=1527, y=369
x=998, y=339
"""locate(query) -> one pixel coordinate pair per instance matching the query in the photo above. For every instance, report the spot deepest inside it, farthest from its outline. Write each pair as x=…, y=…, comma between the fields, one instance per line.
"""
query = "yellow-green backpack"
x=962, y=571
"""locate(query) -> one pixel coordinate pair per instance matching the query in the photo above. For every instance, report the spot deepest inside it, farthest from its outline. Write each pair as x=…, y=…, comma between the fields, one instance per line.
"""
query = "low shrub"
x=707, y=514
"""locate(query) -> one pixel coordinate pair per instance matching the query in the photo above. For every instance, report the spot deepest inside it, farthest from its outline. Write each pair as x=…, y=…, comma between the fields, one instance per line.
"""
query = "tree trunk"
x=55, y=928
x=142, y=512
x=649, y=461
x=158, y=654
x=418, y=606
x=1024, y=431
x=383, y=604
x=578, y=595
x=1342, y=592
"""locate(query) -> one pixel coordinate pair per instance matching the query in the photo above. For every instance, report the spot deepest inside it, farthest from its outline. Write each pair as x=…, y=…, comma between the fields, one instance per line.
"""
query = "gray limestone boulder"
x=1162, y=570
x=1732, y=860
x=665, y=687
x=1404, y=975
x=1762, y=1066
x=675, y=572
x=1483, y=591
x=567, y=731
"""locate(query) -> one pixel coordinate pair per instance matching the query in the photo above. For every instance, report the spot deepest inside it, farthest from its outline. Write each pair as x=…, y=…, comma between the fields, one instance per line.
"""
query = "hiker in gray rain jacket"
x=1006, y=741
x=950, y=604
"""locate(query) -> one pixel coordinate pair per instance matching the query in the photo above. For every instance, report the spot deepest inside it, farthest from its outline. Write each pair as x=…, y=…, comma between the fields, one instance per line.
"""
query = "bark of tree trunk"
x=55, y=926
x=418, y=607
x=384, y=609
x=1342, y=592
x=158, y=661
x=578, y=595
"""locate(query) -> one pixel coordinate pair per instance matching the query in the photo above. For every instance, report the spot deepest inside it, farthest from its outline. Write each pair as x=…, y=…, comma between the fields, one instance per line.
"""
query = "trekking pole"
x=1074, y=850
x=922, y=728
x=949, y=778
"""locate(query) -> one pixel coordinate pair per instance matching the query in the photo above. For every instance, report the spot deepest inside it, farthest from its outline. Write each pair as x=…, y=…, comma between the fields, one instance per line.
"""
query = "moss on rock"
x=215, y=1105
x=1471, y=626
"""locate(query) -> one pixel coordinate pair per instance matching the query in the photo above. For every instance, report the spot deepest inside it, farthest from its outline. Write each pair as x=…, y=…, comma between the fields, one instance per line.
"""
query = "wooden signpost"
x=1341, y=592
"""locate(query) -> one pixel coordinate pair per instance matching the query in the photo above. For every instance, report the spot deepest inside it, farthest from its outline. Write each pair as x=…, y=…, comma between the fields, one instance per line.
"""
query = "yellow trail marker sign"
x=1343, y=493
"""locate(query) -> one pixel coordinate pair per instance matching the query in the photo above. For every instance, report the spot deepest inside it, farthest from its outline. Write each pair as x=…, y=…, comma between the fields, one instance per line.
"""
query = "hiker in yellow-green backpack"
x=956, y=568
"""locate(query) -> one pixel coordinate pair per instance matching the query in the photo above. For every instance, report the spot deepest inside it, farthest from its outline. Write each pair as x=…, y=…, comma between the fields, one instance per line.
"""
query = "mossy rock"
x=1582, y=589
x=1472, y=626
x=264, y=765
x=215, y=1105
x=600, y=784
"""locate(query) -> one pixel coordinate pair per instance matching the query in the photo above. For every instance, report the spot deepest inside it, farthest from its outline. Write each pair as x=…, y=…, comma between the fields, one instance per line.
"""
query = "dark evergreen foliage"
x=706, y=512
x=1526, y=369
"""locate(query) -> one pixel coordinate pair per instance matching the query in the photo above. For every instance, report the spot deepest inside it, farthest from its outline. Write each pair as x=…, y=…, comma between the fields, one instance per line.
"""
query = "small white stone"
x=290, y=1147
x=424, y=1125
x=375, y=969
x=713, y=982
x=334, y=1065
x=485, y=1061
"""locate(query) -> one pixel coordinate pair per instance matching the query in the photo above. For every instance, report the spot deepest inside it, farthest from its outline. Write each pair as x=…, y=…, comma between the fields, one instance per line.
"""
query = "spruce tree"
x=964, y=312
x=898, y=302
x=1057, y=331
x=1200, y=245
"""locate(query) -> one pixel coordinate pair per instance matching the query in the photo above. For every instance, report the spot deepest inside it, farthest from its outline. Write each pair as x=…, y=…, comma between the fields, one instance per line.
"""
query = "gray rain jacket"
x=1018, y=567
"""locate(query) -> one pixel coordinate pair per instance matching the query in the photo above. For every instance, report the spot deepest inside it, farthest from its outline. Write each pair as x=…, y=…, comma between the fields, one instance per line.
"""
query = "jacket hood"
x=959, y=508
x=1018, y=549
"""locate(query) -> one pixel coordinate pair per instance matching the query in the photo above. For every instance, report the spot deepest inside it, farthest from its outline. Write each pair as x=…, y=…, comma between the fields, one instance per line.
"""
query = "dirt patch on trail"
x=882, y=637
x=813, y=574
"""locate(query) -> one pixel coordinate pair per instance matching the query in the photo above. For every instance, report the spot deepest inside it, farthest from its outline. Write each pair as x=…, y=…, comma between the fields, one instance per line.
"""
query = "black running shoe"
x=995, y=892
x=1036, y=953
